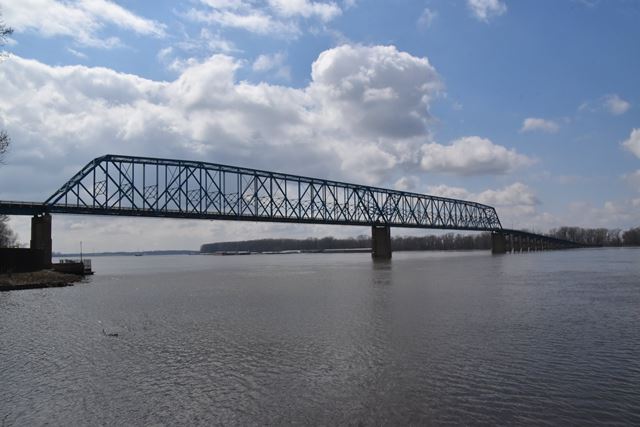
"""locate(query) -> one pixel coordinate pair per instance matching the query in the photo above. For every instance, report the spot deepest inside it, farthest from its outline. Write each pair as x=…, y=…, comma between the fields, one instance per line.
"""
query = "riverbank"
x=36, y=280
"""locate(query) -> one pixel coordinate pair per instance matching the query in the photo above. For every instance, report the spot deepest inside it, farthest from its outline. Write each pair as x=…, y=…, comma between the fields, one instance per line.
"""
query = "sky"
x=531, y=106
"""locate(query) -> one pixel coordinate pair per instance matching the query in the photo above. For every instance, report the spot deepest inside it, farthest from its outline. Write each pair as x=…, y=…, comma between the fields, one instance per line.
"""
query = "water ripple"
x=464, y=338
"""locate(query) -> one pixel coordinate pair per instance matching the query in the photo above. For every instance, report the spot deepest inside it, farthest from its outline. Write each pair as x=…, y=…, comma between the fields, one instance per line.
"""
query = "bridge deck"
x=34, y=208
x=22, y=208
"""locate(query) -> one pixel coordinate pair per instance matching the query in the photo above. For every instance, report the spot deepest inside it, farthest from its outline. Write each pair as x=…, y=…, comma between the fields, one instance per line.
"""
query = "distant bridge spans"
x=517, y=241
x=141, y=186
x=152, y=187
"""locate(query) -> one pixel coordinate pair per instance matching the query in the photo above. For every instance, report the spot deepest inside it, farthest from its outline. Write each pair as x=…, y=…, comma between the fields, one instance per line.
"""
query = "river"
x=329, y=339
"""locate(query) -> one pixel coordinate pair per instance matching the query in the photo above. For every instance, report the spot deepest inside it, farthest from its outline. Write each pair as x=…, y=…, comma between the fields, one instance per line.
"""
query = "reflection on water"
x=329, y=339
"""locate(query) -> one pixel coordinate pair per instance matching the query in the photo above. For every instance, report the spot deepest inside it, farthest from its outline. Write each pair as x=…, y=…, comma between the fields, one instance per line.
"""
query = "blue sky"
x=530, y=106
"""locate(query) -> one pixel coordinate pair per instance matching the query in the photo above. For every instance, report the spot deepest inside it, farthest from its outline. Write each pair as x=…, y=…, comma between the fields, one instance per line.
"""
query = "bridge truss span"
x=151, y=187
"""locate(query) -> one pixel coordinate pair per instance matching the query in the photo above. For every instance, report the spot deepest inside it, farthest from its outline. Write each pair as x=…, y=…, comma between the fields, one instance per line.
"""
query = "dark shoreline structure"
x=37, y=280
x=448, y=241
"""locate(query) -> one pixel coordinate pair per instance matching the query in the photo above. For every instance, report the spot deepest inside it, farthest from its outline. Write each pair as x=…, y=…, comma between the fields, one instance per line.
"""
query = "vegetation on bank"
x=449, y=241
x=598, y=236
x=7, y=236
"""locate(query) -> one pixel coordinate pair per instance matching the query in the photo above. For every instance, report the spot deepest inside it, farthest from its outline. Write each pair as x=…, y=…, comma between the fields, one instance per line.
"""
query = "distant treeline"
x=598, y=236
x=449, y=241
x=444, y=242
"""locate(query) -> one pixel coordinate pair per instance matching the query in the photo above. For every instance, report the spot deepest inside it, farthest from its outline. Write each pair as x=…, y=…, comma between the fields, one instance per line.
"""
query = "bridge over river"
x=168, y=188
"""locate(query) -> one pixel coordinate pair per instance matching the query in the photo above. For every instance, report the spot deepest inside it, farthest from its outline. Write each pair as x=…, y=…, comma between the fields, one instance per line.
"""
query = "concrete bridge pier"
x=381, y=242
x=498, y=243
x=41, y=237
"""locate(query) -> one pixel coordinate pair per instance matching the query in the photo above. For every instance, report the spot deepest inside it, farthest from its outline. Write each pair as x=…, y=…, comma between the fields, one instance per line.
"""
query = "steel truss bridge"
x=152, y=187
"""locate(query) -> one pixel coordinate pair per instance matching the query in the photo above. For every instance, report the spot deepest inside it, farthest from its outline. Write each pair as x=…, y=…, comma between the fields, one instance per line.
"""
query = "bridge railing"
x=124, y=185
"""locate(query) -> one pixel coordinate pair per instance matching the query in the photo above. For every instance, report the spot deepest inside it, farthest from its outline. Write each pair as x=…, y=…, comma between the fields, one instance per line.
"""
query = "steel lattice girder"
x=141, y=186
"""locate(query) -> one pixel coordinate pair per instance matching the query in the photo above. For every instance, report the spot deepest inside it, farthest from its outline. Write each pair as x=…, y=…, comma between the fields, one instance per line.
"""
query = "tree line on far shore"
x=598, y=236
x=448, y=241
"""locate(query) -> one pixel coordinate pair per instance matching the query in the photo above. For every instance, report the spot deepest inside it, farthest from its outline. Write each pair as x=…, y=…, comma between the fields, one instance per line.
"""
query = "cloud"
x=325, y=11
x=616, y=105
x=279, y=18
x=516, y=204
x=532, y=124
x=179, y=55
x=210, y=42
x=612, y=104
x=275, y=63
x=357, y=89
x=255, y=22
x=483, y=10
x=633, y=142
x=81, y=20
x=633, y=179
x=519, y=207
x=471, y=155
x=611, y=214
x=407, y=183
x=76, y=53
x=426, y=18
x=61, y=117
x=588, y=3
x=516, y=194
x=443, y=190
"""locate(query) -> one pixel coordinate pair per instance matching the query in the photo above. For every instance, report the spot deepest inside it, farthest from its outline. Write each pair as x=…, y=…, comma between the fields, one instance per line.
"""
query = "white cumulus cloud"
x=633, y=142
x=471, y=155
x=532, y=124
x=483, y=10
x=64, y=116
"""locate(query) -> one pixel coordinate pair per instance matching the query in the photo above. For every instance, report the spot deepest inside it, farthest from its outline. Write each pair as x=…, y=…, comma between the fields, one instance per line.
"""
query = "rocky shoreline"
x=37, y=280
